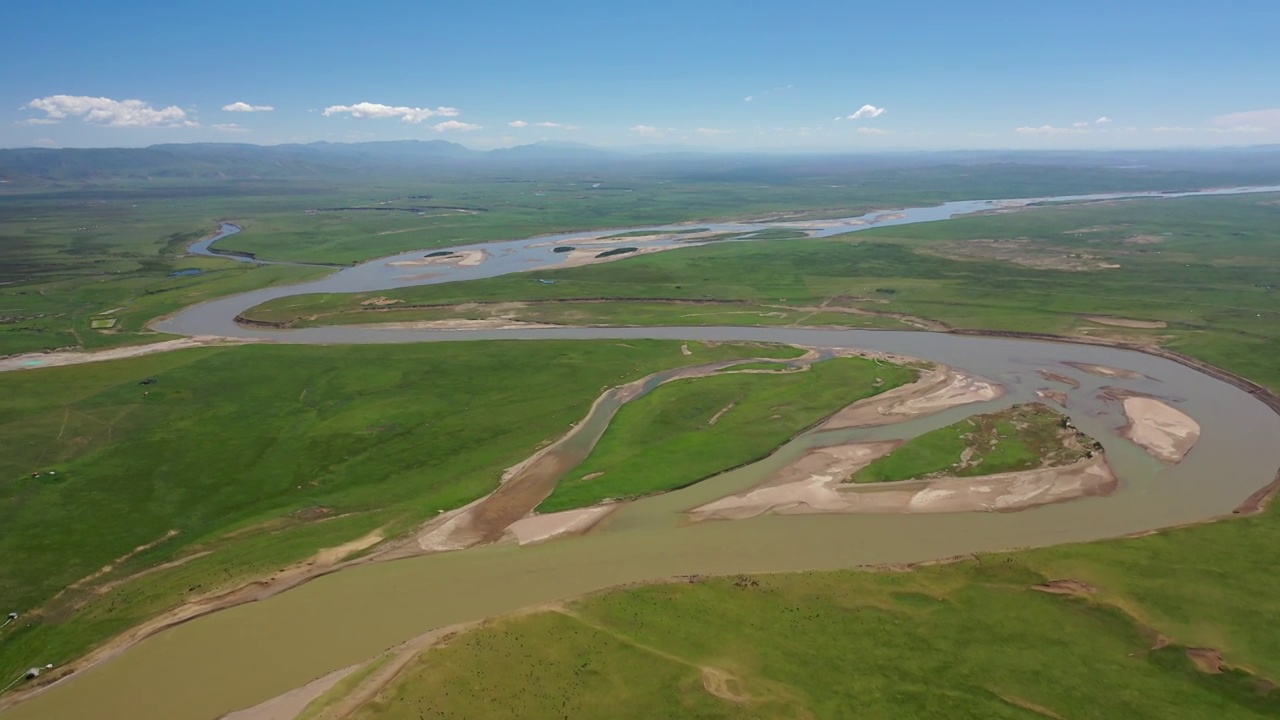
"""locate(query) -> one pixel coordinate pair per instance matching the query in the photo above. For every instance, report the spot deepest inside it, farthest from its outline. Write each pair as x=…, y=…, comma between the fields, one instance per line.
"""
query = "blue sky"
x=763, y=75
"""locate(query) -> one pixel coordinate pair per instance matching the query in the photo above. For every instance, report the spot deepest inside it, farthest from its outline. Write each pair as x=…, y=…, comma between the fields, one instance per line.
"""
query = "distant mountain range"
x=229, y=160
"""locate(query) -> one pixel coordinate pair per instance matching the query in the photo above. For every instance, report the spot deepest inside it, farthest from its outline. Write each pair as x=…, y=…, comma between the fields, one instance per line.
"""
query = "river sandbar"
x=938, y=389
x=821, y=488
x=1165, y=432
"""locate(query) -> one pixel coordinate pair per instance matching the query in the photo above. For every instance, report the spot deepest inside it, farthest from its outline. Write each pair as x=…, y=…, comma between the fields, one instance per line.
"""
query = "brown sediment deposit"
x=1126, y=322
x=815, y=484
x=538, y=528
x=723, y=685
x=1165, y=432
x=491, y=323
x=33, y=361
x=1066, y=587
x=938, y=389
x=461, y=258
x=1058, y=396
x=380, y=302
x=578, y=258
x=1104, y=371
x=889, y=216
x=1206, y=660
x=1059, y=378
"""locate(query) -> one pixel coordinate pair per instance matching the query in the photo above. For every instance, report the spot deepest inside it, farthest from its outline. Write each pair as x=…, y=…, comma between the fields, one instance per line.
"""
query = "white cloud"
x=44, y=143
x=872, y=131
x=410, y=115
x=105, y=111
x=712, y=132
x=558, y=126
x=455, y=126
x=646, y=130
x=246, y=107
x=37, y=121
x=229, y=127
x=1251, y=121
x=1102, y=120
x=518, y=123
x=752, y=98
x=1080, y=124
x=1172, y=129
x=1050, y=130
x=866, y=112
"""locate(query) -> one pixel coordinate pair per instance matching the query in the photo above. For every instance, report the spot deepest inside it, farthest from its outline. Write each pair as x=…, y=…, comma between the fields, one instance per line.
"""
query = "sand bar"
x=1165, y=432
x=1104, y=371
x=938, y=389
x=1059, y=378
x=815, y=484
x=538, y=528
x=462, y=258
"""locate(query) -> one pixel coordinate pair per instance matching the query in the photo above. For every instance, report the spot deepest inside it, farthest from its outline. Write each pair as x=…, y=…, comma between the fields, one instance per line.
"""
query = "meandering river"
x=242, y=656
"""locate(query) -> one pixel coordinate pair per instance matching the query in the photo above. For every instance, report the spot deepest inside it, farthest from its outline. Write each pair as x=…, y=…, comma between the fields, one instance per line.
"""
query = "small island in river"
x=1011, y=459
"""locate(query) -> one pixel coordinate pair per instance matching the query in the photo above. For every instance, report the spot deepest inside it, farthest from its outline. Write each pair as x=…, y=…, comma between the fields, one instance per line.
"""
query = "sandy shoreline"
x=461, y=258
x=815, y=484
x=539, y=528
x=1165, y=432
x=291, y=704
x=1126, y=322
x=495, y=323
x=938, y=389
x=32, y=361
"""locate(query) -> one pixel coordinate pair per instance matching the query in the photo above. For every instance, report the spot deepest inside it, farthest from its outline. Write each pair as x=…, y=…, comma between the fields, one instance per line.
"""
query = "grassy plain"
x=260, y=455
x=687, y=430
x=1205, y=266
x=1023, y=437
x=966, y=640
x=70, y=252
x=244, y=450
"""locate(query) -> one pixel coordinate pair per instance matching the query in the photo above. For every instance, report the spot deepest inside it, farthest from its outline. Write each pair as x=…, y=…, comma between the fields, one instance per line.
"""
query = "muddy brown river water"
x=245, y=655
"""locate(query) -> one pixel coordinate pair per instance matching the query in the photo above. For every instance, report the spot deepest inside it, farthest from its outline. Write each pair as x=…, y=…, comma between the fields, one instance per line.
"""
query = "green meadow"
x=1023, y=437
x=687, y=430
x=1206, y=267
x=240, y=460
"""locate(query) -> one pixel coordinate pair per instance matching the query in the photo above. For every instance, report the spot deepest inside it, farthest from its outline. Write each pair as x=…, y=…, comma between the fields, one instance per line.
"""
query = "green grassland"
x=1205, y=266
x=667, y=439
x=72, y=251
x=964, y=640
x=958, y=641
x=1023, y=437
x=260, y=455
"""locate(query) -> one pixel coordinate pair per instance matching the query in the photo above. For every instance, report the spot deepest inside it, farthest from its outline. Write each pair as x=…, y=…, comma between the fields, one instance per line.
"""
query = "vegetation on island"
x=1022, y=437
x=687, y=430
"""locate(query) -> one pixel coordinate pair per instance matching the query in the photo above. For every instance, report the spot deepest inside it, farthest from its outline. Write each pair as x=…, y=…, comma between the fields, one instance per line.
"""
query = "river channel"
x=241, y=656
